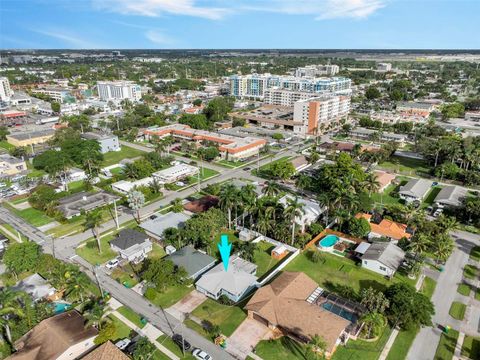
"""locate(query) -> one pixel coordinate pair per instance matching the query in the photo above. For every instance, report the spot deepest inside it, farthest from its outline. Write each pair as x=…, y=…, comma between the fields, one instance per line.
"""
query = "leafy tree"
x=19, y=152
x=218, y=108
x=163, y=273
x=108, y=332
x=21, y=257
x=374, y=300
x=43, y=197
x=408, y=308
x=372, y=93
x=358, y=227
x=55, y=106
x=210, y=153
x=3, y=133
x=277, y=136
x=144, y=349
x=80, y=123
x=195, y=121
x=177, y=206
x=453, y=110
x=238, y=122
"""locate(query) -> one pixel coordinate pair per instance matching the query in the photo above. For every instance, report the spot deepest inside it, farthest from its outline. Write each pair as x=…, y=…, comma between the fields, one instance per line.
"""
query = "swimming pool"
x=329, y=241
x=338, y=310
x=61, y=307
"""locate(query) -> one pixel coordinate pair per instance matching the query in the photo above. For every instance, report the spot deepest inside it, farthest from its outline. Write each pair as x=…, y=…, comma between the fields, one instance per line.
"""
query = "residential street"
x=425, y=344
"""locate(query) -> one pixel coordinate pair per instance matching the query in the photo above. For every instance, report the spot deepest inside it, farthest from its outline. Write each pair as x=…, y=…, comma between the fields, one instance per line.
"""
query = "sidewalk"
x=149, y=331
x=17, y=237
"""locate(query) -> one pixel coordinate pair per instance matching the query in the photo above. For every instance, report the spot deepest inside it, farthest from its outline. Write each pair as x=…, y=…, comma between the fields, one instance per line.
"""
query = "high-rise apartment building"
x=5, y=90
x=120, y=90
x=255, y=85
x=321, y=113
x=317, y=70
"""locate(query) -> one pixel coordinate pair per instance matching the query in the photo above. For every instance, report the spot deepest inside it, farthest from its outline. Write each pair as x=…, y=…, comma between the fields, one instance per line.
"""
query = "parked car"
x=122, y=344
x=181, y=342
x=112, y=264
x=200, y=354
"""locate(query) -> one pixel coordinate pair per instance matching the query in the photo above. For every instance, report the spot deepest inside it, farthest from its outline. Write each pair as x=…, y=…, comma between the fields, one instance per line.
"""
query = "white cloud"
x=70, y=40
x=321, y=9
x=159, y=38
x=154, y=8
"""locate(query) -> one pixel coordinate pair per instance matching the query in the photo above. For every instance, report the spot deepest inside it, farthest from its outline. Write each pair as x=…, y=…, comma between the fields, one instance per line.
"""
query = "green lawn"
x=131, y=315
x=432, y=194
x=171, y=295
x=475, y=253
x=402, y=344
x=122, y=331
x=362, y=350
x=471, y=347
x=157, y=252
x=32, y=216
x=228, y=318
x=280, y=349
x=457, y=310
x=477, y=294
x=114, y=157
x=428, y=287
x=89, y=251
x=6, y=145
x=170, y=345
x=470, y=271
x=76, y=186
x=339, y=274
x=464, y=289
x=263, y=258
x=386, y=197
x=406, y=165
x=125, y=276
x=446, y=346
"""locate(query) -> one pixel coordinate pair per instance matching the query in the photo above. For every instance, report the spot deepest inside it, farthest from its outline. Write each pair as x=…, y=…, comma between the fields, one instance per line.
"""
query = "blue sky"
x=164, y=24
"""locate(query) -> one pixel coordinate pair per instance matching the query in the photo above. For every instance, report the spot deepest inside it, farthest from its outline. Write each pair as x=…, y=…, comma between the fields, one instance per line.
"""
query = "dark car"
x=180, y=341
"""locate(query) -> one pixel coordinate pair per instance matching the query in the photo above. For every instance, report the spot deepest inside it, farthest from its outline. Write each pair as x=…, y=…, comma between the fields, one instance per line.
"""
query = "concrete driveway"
x=246, y=337
x=186, y=305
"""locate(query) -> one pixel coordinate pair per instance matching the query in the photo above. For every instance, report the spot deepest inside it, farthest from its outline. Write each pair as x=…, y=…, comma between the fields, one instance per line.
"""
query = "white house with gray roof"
x=234, y=283
x=415, y=190
x=156, y=226
x=193, y=261
x=35, y=286
x=450, y=196
x=132, y=245
x=382, y=257
x=311, y=210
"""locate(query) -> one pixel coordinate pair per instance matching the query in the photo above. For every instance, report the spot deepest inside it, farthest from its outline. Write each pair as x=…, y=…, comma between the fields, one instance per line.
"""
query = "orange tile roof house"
x=386, y=228
x=290, y=306
x=384, y=179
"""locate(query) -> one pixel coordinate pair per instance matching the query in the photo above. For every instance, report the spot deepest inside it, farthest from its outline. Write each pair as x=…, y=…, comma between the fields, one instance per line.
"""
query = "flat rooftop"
x=73, y=205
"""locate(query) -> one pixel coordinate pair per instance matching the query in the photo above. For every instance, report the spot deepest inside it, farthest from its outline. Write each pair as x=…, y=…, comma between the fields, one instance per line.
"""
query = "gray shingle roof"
x=158, y=225
x=386, y=253
x=128, y=238
x=191, y=260
x=416, y=187
x=451, y=195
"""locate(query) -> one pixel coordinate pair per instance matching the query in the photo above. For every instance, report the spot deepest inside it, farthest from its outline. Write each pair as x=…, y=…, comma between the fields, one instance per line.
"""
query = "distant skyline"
x=245, y=24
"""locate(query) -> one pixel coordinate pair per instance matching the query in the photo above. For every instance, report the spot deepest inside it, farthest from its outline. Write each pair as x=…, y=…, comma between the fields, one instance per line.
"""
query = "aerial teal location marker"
x=225, y=249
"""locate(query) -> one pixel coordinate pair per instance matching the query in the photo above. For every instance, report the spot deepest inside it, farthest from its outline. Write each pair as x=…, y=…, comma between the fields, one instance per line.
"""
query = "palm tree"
x=324, y=201
x=293, y=210
x=136, y=200
x=75, y=285
x=373, y=324
x=271, y=188
x=249, y=199
x=247, y=250
x=420, y=244
x=9, y=309
x=443, y=247
x=371, y=184
x=447, y=223
x=94, y=312
x=264, y=224
x=130, y=171
x=303, y=182
x=93, y=219
x=227, y=198
x=316, y=348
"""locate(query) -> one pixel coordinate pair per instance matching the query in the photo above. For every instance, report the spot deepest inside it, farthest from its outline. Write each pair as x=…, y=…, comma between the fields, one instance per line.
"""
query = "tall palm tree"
x=93, y=219
x=227, y=198
x=271, y=188
x=264, y=224
x=130, y=171
x=373, y=324
x=249, y=200
x=75, y=285
x=293, y=210
x=9, y=307
x=371, y=183
x=420, y=244
x=316, y=348
x=302, y=182
x=94, y=312
x=324, y=201
x=136, y=200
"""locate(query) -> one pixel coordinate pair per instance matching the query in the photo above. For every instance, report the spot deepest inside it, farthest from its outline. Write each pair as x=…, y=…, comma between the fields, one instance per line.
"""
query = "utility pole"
x=116, y=213
x=95, y=268
x=258, y=161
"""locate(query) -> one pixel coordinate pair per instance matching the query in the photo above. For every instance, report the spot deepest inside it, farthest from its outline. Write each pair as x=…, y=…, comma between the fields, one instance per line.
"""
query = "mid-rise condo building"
x=119, y=90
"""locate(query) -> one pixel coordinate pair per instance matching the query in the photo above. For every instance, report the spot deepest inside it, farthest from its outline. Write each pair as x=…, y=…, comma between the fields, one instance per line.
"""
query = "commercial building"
x=175, y=173
x=370, y=134
x=30, y=138
x=59, y=95
x=384, y=67
x=285, y=97
x=255, y=85
x=107, y=142
x=119, y=90
x=416, y=108
x=6, y=91
x=125, y=186
x=320, y=113
x=230, y=147
x=317, y=70
x=10, y=165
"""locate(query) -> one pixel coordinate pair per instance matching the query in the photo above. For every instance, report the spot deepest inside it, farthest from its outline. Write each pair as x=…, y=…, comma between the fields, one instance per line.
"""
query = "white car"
x=201, y=355
x=112, y=264
x=122, y=344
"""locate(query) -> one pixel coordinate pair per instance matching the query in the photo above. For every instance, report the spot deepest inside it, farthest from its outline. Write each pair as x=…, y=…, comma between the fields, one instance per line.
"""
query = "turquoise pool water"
x=61, y=307
x=329, y=241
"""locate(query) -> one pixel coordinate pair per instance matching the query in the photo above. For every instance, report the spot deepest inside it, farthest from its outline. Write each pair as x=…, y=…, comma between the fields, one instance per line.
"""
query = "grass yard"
x=228, y=318
x=32, y=216
x=170, y=345
x=475, y=253
x=122, y=330
x=457, y=310
x=471, y=347
x=157, y=252
x=386, y=197
x=171, y=295
x=446, y=346
x=125, y=275
x=470, y=271
x=4, y=144
x=402, y=344
x=126, y=152
x=89, y=250
x=131, y=315
x=340, y=275
x=362, y=350
x=263, y=258
x=464, y=289
x=406, y=165
x=428, y=287
x=477, y=294
x=432, y=194
x=280, y=349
